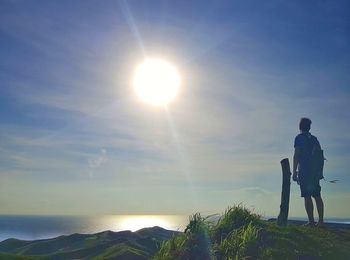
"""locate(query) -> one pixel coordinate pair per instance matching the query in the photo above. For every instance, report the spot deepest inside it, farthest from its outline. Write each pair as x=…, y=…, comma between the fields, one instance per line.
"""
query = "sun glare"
x=156, y=82
x=134, y=223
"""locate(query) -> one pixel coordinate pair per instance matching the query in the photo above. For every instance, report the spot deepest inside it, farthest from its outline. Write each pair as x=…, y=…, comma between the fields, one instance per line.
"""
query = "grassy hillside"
x=240, y=234
x=141, y=244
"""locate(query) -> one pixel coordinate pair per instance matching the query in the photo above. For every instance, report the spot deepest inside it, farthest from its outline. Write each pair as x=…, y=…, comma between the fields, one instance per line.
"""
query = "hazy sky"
x=75, y=139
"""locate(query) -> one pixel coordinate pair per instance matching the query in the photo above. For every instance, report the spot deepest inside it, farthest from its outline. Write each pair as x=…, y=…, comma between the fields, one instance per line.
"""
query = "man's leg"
x=309, y=207
x=320, y=208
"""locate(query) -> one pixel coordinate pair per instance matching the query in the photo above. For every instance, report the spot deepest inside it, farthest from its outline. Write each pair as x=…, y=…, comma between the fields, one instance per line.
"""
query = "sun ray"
x=132, y=24
x=184, y=160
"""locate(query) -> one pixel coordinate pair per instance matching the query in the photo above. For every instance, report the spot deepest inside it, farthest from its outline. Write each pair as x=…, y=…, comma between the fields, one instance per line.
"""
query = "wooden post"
x=284, y=208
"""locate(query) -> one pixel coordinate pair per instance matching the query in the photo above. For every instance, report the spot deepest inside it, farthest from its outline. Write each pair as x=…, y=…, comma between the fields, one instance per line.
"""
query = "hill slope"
x=241, y=234
x=237, y=234
x=141, y=244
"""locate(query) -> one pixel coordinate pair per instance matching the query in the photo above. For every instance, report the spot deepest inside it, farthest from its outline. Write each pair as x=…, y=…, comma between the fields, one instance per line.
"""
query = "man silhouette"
x=305, y=144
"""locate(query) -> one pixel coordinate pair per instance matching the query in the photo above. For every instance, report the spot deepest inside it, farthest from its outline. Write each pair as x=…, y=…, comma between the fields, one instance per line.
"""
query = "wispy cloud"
x=75, y=118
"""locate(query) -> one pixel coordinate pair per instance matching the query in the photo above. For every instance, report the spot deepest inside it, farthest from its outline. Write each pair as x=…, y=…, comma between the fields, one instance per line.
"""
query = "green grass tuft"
x=194, y=243
x=241, y=242
x=241, y=234
x=234, y=218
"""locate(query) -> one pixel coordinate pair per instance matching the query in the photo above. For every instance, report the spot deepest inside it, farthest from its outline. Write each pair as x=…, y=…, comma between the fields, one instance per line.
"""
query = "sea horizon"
x=34, y=227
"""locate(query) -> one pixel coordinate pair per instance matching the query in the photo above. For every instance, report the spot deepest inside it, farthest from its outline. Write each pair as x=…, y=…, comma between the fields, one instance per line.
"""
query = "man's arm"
x=296, y=162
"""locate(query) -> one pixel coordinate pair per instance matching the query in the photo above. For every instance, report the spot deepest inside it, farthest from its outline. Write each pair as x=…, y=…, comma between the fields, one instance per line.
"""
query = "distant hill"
x=138, y=245
x=237, y=234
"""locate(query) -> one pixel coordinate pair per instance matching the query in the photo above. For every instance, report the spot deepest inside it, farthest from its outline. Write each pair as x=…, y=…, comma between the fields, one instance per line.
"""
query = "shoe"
x=309, y=224
x=320, y=224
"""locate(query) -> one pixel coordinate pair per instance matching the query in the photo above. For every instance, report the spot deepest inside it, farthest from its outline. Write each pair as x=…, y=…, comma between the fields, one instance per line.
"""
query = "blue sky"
x=75, y=139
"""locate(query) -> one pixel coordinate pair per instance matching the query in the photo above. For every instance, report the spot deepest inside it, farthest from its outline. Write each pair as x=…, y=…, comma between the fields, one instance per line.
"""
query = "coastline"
x=45, y=227
x=141, y=244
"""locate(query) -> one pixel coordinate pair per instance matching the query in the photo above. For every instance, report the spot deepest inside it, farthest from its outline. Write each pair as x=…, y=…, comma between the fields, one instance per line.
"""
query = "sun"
x=156, y=82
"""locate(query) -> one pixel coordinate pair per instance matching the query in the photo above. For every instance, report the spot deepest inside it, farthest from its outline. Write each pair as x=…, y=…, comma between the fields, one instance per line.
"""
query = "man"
x=305, y=144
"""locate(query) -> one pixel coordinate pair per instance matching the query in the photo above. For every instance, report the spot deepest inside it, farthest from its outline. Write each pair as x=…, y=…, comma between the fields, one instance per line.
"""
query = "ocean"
x=40, y=227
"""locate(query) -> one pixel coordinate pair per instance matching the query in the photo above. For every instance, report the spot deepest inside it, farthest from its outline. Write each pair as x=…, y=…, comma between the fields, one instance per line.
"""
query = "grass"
x=293, y=241
x=242, y=234
x=139, y=245
x=16, y=257
x=237, y=234
x=241, y=242
x=233, y=219
x=194, y=243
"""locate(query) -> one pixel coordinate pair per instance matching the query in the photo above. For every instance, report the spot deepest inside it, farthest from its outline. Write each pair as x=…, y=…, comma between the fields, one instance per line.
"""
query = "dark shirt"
x=307, y=143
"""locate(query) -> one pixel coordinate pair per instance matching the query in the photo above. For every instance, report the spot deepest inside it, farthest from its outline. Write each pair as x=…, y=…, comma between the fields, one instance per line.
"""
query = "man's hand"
x=297, y=152
x=295, y=177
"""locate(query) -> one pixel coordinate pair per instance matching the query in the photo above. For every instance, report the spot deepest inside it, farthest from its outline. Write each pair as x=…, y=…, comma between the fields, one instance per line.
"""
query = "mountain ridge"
x=141, y=244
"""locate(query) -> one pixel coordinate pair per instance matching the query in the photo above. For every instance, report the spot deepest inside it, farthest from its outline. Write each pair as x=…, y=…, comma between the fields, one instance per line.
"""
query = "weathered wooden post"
x=284, y=208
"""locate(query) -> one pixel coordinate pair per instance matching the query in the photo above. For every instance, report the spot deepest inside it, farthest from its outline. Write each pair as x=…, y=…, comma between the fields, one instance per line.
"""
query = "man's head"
x=305, y=124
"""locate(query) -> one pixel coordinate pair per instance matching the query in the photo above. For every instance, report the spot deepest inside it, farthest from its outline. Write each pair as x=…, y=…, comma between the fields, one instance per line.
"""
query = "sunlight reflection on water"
x=136, y=222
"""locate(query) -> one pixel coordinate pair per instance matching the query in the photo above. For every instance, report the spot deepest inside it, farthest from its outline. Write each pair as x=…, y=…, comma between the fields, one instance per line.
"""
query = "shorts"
x=309, y=187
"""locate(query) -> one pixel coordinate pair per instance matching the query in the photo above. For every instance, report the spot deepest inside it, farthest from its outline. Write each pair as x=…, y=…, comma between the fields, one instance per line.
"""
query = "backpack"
x=316, y=159
x=317, y=163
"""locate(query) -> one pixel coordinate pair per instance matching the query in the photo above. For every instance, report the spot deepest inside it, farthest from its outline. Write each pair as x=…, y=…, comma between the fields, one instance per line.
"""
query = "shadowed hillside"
x=141, y=244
